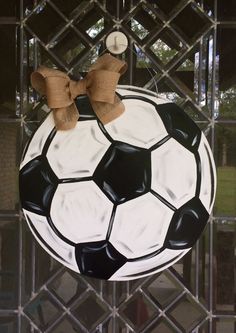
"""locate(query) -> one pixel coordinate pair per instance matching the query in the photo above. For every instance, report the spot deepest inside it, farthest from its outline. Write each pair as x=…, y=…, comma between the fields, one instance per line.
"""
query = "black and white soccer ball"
x=119, y=201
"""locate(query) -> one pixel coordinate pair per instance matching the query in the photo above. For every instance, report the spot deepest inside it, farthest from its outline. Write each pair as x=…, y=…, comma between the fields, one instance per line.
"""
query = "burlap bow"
x=99, y=84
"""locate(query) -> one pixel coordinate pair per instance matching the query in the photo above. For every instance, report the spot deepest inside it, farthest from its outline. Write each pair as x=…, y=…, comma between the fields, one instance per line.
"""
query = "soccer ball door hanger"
x=115, y=185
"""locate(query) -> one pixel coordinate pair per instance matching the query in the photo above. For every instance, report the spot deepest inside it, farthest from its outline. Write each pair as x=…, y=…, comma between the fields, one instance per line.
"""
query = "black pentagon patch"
x=179, y=125
x=98, y=259
x=124, y=172
x=37, y=183
x=186, y=226
x=84, y=107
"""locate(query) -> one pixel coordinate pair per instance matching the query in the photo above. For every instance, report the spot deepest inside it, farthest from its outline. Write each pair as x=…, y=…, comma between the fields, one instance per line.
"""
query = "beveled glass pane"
x=168, y=90
x=187, y=314
x=45, y=266
x=184, y=269
x=163, y=289
x=227, y=80
x=80, y=69
x=208, y=6
x=144, y=22
x=28, y=260
x=190, y=22
x=43, y=311
x=168, y=7
x=9, y=164
x=138, y=311
x=114, y=292
x=90, y=311
x=68, y=46
x=70, y=8
x=9, y=263
x=222, y=325
x=66, y=325
x=224, y=267
x=204, y=267
x=205, y=327
x=95, y=283
x=93, y=22
x=184, y=73
x=8, y=324
x=225, y=158
x=8, y=70
x=9, y=8
x=45, y=22
x=161, y=326
x=195, y=113
x=226, y=10
x=144, y=70
x=114, y=325
x=44, y=58
x=167, y=46
x=25, y=325
x=67, y=287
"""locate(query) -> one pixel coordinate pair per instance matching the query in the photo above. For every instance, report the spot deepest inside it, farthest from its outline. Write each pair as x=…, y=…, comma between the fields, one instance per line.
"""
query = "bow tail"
x=66, y=118
x=106, y=112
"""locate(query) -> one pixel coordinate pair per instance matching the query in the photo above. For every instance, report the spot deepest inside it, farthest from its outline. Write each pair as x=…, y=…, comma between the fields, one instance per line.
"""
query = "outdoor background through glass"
x=189, y=47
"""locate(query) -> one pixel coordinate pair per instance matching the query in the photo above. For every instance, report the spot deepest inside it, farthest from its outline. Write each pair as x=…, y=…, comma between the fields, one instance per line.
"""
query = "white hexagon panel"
x=84, y=212
x=146, y=231
x=140, y=125
x=75, y=153
x=174, y=173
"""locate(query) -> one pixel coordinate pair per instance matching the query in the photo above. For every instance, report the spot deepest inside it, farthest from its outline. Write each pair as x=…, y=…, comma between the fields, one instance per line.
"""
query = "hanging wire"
x=145, y=66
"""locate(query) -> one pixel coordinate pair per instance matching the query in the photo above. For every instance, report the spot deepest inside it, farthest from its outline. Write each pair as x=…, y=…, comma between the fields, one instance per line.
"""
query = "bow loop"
x=99, y=84
x=57, y=92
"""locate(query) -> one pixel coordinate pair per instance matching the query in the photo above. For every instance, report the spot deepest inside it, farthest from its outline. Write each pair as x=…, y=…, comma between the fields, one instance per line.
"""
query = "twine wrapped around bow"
x=99, y=84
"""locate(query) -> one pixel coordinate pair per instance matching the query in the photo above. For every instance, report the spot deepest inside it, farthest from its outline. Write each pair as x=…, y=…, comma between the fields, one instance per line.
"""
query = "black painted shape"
x=98, y=259
x=84, y=108
x=124, y=172
x=179, y=125
x=212, y=174
x=186, y=226
x=199, y=174
x=37, y=184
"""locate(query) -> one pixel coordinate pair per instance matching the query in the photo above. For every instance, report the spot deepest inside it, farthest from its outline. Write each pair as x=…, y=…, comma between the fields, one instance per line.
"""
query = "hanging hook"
x=116, y=42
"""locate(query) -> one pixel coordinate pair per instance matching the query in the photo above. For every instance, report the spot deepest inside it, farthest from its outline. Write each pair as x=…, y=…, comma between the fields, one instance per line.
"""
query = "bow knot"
x=99, y=84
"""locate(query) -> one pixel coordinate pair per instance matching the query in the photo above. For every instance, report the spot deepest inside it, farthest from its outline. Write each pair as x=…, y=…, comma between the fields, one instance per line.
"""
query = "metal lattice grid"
x=184, y=49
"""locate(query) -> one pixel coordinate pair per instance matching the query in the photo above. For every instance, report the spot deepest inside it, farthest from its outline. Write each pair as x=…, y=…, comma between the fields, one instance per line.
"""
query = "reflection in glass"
x=9, y=161
x=90, y=311
x=8, y=324
x=226, y=47
x=8, y=264
x=163, y=289
x=67, y=287
x=225, y=157
x=8, y=70
x=223, y=325
x=187, y=314
x=66, y=325
x=138, y=311
x=224, y=266
x=43, y=311
x=45, y=22
x=69, y=46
